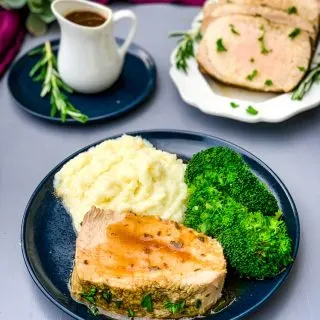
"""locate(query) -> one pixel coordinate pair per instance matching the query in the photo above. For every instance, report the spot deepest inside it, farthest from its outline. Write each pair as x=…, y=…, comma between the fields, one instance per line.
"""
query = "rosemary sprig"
x=185, y=49
x=305, y=85
x=45, y=70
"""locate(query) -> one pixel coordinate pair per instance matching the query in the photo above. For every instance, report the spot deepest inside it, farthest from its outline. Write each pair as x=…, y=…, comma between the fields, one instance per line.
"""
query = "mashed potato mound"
x=123, y=174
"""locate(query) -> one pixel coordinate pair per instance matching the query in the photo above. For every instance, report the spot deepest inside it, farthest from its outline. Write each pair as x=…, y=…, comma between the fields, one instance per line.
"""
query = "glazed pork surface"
x=123, y=258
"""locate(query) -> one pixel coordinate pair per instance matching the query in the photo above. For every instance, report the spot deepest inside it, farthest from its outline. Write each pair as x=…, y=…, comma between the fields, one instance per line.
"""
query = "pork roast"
x=214, y=10
x=252, y=52
x=307, y=9
x=123, y=259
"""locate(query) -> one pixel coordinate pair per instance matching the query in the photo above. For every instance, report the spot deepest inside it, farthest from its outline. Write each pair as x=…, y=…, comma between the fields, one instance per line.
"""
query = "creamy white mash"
x=123, y=174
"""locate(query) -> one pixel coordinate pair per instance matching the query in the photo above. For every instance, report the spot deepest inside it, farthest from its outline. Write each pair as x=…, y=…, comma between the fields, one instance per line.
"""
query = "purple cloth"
x=11, y=37
x=12, y=29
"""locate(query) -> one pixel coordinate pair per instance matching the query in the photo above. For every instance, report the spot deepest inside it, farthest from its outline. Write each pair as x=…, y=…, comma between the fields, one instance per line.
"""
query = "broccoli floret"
x=256, y=246
x=225, y=169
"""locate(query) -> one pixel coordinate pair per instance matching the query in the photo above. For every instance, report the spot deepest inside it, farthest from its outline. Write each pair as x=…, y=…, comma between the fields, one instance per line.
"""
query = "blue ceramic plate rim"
x=134, y=49
x=167, y=132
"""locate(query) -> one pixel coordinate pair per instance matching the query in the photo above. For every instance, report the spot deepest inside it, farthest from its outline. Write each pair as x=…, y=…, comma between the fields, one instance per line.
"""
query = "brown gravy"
x=86, y=18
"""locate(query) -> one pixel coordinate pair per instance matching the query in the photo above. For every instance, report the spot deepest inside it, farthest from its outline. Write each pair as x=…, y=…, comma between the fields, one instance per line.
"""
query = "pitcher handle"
x=126, y=14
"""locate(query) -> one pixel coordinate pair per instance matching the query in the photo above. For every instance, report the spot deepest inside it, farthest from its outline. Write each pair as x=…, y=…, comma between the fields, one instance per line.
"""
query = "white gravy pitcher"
x=89, y=59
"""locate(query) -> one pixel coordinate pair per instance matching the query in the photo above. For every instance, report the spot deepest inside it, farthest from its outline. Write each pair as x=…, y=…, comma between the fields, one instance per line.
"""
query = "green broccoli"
x=226, y=170
x=257, y=246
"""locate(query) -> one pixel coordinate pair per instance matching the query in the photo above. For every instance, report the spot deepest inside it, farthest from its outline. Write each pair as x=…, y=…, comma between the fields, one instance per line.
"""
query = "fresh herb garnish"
x=146, y=302
x=261, y=39
x=198, y=303
x=234, y=105
x=220, y=46
x=185, y=50
x=252, y=60
x=107, y=295
x=118, y=303
x=302, y=69
x=305, y=85
x=93, y=309
x=251, y=110
x=233, y=30
x=131, y=313
x=252, y=75
x=90, y=295
x=45, y=70
x=292, y=10
x=294, y=33
x=174, y=307
x=268, y=83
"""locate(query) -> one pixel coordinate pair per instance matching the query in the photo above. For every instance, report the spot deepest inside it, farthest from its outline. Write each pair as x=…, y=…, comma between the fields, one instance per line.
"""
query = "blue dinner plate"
x=136, y=83
x=48, y=238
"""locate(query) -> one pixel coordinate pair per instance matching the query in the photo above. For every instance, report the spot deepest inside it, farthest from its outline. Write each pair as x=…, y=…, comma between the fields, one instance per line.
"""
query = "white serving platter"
x=214, y=98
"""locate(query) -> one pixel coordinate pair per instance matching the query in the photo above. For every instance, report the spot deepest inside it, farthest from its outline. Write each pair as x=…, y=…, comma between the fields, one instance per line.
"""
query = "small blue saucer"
x=136, y=83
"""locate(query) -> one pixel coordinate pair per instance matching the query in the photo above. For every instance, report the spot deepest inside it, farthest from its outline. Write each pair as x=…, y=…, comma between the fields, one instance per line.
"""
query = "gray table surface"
x=31, y=147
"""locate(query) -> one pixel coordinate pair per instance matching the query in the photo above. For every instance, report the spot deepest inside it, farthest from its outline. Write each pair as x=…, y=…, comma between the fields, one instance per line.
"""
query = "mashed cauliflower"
x=123, y=174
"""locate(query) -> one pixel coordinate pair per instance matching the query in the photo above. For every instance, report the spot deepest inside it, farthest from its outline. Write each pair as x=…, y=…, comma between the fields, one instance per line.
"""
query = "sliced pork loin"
x=124, y=259
x=307, y=9
x=214, y=10
x=254, y=53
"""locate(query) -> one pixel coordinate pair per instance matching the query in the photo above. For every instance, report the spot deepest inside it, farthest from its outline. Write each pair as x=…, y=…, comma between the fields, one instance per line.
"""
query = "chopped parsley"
x=234, y=105
x=294, y=33
x=93, y=309
x=174, y=307
x=118, y=303
x=233, y=30
x=252, y=60
x=252, y=75
x=131, y=313
x=251, y=110
x=302, y=69
x=89, y=296
x=198, y=304
x=146, y=302
x=220, y=46
x=292, y=10
x=107, y=295
x=261, y=39
x=268, y=83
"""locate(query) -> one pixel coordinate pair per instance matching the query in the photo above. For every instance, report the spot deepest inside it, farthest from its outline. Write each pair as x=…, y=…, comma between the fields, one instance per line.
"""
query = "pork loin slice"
x=121, y=258
x=262, y=56
x=307, y=9
x=214, y=10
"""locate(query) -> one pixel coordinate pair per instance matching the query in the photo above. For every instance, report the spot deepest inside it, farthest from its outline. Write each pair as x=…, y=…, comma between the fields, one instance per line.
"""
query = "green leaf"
x=233, y=30
x=147, y=303
x=36, y=51
x=302, y=69
x=251, y=110
x=14, y=4
x=252, y=75
x=220, y=46
x=268, y=83
x=36, y=6
x=292, y=10
x=107, y=295
x=47, y=15
x=35, y=25
x=198, y=304
x=131, y=313
x=295, y=32
x=234, y=105
x=174, y=307
x=93, y=310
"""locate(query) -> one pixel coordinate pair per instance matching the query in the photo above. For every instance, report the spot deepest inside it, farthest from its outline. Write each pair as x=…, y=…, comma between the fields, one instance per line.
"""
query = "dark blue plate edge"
x=133, y=49
x=202, y=136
